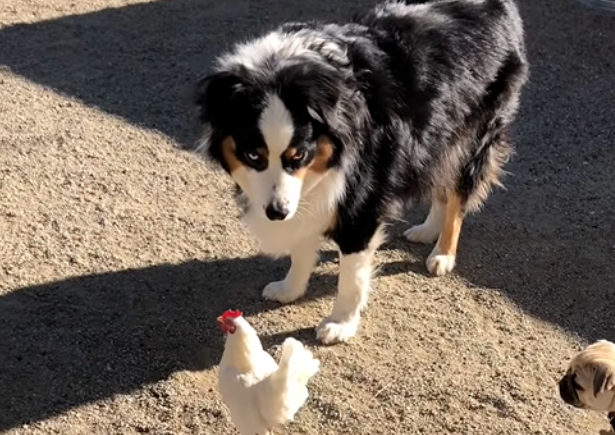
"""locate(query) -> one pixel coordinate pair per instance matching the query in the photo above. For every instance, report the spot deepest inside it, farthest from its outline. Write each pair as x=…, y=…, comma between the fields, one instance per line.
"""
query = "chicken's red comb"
x=231, y=314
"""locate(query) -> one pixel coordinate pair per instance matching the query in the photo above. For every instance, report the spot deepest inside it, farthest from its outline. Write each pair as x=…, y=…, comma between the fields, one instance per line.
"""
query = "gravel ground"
x=118, y=250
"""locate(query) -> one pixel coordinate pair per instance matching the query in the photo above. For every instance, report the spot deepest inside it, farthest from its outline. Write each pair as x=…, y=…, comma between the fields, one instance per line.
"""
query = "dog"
x=589, y=382
x=328, y=130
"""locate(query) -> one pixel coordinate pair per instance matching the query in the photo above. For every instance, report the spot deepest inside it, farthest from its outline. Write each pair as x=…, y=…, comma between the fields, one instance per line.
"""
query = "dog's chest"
x=277, y=238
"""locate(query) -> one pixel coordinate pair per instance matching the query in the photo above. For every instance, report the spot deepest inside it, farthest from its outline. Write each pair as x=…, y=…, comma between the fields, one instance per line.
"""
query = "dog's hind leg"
x=491, y=150
x=442, y=259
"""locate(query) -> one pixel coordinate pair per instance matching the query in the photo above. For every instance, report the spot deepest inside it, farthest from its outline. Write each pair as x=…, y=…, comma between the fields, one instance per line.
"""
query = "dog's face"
x=589, y=382
x=270, y=131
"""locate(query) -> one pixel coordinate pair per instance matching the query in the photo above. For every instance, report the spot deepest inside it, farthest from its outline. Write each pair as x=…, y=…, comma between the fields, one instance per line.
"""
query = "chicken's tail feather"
x=297, y=361
x=285, y=391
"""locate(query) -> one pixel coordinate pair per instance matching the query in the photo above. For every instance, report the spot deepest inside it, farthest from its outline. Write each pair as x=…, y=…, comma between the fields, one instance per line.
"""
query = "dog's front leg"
x=303, y=257
x=352, y=291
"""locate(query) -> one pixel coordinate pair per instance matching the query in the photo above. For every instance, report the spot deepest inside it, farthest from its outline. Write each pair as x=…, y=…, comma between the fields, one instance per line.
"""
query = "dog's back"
x=453, y=72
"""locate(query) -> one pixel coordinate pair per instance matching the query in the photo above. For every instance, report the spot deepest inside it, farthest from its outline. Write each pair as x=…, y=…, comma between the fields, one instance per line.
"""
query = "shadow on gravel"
x=140, y=62
x=68, y=343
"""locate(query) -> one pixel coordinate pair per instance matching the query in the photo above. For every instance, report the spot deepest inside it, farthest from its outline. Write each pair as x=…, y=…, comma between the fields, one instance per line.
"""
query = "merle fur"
x=419, y=101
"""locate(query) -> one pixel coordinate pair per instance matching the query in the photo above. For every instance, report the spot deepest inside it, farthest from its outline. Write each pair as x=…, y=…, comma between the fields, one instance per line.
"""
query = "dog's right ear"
x=604, y=378
x=213, y=97
x=214, y=94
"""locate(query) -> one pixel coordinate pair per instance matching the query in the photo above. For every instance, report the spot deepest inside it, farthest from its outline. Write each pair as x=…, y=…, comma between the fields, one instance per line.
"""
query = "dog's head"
x=589, y=382
x=272, y=128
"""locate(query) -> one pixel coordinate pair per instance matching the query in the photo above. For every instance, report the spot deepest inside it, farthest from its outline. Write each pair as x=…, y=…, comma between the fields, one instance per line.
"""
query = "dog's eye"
x=298, y=156
x=253, y=157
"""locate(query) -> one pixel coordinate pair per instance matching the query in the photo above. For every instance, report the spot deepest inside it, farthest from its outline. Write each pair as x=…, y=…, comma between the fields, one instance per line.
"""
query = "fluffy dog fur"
x=589, y=382
x=329, y=129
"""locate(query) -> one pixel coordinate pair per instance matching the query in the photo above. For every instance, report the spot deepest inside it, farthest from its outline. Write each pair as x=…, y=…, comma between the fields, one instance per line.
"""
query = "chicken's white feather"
x=258, y=393
x=283, y=392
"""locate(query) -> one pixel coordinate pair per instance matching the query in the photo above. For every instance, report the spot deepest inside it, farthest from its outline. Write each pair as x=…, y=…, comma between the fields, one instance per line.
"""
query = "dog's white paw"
x=281, y=292
x=423, y=233
x=439, y=264
x=330, y=332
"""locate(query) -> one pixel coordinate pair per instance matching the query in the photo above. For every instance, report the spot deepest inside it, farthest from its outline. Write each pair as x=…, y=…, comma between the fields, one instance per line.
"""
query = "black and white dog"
x=329, y=129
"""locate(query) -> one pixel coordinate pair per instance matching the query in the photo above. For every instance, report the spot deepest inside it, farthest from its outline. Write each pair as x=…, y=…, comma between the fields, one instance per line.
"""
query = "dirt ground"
x=118, y=250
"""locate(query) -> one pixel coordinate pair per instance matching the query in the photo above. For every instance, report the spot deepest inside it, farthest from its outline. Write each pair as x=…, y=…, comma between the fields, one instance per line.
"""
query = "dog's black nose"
x=276, y=211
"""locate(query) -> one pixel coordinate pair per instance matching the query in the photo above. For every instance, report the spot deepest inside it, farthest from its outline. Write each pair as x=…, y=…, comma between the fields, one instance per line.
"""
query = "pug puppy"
x=589, y=382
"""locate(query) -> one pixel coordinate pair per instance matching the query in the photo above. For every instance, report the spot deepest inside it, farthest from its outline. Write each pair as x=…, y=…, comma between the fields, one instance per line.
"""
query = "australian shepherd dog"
x=328, y=130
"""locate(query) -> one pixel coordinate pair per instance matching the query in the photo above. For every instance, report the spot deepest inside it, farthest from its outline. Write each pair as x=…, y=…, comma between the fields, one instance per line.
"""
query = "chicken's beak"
x=220, y=320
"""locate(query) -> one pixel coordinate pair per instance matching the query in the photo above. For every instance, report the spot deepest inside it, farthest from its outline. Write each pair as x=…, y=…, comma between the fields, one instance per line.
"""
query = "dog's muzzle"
x=568, y=393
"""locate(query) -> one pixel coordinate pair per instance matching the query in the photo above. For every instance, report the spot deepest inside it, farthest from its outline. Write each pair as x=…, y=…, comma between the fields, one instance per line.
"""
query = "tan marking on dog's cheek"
x=324, y=152
x=229, y=156
x=241, y=178
x=300, y=173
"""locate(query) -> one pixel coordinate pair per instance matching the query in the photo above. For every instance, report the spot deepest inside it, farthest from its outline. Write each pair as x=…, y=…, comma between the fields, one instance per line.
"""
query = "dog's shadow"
x=75, y=341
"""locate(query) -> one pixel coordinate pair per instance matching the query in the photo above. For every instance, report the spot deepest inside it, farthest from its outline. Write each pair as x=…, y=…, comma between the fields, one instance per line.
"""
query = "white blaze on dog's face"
x=278, y=188
x=278, y=164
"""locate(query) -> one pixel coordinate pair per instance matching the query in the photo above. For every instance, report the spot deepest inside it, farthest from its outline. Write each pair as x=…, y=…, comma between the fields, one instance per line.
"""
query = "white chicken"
x=260, y=394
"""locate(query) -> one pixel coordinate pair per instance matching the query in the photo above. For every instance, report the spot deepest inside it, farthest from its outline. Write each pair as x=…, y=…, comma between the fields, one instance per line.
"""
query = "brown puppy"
x=589, y=382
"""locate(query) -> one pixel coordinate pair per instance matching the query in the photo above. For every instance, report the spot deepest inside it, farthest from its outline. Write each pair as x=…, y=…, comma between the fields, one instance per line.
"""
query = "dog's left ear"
x=604, y=378
x=314, y=85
